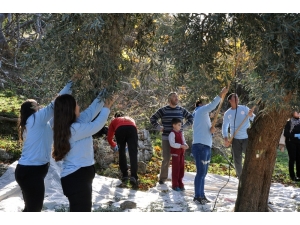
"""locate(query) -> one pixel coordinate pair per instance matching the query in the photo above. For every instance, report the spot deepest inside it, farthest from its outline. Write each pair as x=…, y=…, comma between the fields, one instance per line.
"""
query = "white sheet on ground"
x=159, y=198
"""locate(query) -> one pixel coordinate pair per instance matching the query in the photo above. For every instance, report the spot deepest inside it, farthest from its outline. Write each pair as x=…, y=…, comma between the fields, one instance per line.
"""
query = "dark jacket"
x=290, y=136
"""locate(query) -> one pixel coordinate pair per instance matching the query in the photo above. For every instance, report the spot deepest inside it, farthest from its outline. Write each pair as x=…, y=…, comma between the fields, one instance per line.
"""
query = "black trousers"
x=127, y=134
x=77, y=187
x=31, y=182
x=294, y=158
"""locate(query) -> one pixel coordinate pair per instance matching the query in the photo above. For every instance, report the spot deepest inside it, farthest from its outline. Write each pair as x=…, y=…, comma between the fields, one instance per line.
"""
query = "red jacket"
x=115, y=123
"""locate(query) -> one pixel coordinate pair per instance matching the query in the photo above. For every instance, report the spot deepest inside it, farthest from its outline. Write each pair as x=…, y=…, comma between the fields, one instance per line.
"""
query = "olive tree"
x=260, y=52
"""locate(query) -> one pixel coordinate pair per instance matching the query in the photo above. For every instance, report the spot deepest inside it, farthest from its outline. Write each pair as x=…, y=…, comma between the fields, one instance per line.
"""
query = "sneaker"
x=176, y=189
x=182, y=189
x=199, y=200
x=161, y=182
x=206, y=199
x=125, y=179
x=134, y=182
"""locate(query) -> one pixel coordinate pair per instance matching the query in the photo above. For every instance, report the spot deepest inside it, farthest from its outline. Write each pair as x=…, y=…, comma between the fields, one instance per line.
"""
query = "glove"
x=116, y=148
x=297, y=136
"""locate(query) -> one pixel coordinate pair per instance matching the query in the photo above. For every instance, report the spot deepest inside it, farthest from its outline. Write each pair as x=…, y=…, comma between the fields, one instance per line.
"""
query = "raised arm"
x=84, y=130
x=92, y=111
x=45, y=114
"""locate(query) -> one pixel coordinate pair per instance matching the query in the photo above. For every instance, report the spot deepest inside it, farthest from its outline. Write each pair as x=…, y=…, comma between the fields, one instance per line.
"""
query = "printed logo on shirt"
x=229, y=116
x=243, y=112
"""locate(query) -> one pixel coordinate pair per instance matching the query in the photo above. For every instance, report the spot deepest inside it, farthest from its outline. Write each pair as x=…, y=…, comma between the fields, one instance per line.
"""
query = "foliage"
x=10, y=103
x=104, y=58
x=281, y=170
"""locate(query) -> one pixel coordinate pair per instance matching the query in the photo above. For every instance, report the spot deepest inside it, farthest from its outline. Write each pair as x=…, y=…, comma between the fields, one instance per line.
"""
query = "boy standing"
x=178, y=146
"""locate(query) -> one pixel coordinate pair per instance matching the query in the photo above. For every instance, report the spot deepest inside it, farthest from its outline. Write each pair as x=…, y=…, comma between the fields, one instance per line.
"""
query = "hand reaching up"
x=110, y=100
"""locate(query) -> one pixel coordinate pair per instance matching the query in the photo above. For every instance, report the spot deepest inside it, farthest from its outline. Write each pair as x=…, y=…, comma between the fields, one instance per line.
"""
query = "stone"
x=127, y=205
x=142, y=167
x=5, y=155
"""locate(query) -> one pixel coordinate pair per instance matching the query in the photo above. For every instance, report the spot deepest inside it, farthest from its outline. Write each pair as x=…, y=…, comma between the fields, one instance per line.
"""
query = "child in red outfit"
x=178, y=147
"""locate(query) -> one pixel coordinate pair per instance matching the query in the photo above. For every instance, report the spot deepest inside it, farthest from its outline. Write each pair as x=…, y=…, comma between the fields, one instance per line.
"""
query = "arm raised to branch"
x=219, y=107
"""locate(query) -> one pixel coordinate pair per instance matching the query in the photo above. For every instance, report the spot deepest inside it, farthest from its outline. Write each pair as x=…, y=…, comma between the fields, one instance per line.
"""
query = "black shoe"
x=295, y=178
x=125, y=179
x=161, y=182
x=199, y=200
x=206, y=199
x=134, y=182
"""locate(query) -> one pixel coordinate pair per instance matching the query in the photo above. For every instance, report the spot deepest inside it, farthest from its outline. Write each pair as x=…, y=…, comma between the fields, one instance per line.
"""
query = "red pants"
x=177, y=169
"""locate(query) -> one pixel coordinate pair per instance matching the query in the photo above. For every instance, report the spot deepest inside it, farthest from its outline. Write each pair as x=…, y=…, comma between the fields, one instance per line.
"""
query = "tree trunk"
x=8, y=119
x=255, y=182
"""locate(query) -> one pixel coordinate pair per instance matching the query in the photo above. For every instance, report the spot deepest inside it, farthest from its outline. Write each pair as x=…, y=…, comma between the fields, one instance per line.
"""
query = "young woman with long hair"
x=73, y=144
x=36, y=133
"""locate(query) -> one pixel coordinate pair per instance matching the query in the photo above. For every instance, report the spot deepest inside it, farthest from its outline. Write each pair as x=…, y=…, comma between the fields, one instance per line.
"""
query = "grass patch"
x=10, y=103
x=281, y=170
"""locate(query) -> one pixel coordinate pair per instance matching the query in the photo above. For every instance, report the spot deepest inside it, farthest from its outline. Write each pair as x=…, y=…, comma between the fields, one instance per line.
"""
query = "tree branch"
x=9, y=119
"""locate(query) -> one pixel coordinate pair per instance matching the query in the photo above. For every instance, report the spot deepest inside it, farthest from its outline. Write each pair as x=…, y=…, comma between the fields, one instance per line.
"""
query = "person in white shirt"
x=233, y=118
x=36, y=133
x=73, y=144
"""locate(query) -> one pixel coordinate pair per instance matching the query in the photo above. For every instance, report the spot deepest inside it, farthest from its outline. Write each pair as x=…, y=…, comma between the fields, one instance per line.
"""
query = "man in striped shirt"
x=166, y=114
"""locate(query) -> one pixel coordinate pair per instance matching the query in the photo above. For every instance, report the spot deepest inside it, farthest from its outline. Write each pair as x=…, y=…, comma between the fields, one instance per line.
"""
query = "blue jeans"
x=201, y=155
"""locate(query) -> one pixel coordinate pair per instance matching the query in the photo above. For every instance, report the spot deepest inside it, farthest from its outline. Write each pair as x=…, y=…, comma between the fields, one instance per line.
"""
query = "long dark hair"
x=25, y=112
x=64, y=116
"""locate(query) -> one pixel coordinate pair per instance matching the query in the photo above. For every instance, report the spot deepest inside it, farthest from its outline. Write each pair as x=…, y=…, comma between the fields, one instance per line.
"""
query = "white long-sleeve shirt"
x=38, y=135
x=202, y=123
x=172, y=142
x=233, y=118
x=81, y=153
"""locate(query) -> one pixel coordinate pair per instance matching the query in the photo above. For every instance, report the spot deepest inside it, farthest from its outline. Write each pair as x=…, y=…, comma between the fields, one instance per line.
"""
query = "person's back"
x=73, y=145
x=125, y=130
x=36, y=133
x=202, y=123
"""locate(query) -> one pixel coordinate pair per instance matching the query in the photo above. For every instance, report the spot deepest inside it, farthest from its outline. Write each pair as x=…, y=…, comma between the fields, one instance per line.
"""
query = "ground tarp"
x=158, y=199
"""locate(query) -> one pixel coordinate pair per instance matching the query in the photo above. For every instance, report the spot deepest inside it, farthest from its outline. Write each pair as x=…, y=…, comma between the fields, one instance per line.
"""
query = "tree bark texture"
x=260, y=158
